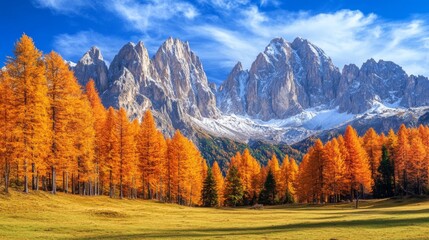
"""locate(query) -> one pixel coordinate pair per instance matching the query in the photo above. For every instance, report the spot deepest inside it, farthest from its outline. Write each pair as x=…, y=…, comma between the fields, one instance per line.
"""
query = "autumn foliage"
x=62, y=138
x=55, y=135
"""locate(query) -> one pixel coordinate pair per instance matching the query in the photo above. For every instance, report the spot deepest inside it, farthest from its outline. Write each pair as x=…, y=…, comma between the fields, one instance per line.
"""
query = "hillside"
x=222, y=149
x=45, y=216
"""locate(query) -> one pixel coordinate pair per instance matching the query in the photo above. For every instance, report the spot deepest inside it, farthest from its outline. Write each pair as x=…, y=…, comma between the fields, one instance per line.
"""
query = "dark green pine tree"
x=209, y=192
x=268, y=193
x=384, y=183
x=233, y=191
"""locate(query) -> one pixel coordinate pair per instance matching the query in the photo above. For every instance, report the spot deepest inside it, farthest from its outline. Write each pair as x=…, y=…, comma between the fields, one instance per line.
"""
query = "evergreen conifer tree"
x=209, y=193
x=268, y=194
x=384, y=186
x=233, y=192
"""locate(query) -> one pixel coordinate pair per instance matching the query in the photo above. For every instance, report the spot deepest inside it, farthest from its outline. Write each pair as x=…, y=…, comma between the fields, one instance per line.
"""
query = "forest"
x=57, y=136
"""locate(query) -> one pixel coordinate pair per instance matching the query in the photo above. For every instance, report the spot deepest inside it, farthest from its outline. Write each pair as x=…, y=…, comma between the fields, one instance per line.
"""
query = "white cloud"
x=63, y=6
x=239, y=30
x=226, y=4
x=73, y=46
x=142, y=16
x=346, y=36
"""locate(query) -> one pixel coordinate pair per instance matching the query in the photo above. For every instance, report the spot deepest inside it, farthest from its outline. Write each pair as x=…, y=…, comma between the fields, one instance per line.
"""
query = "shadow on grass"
x=230, y=232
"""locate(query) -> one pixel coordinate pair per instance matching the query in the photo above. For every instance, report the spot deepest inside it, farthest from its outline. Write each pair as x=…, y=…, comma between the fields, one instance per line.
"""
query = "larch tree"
x=357, y=166
x=304, y=182
x=84, y=142
x=110, y=150
x=402, y=155
x=64, y=96
x=99, y=113
x=334, y=172
x=126, y=150
x=217, y=174
x=417, y=167
x=391, y=145
x=316, y=169
x=26, y=72
x=150, y=155
x=293, y=167
x=248, y=170
x=7, y=126
x=372, y=145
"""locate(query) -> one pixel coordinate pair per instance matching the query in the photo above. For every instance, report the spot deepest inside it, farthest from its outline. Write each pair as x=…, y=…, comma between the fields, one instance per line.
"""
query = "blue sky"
x=223, y=32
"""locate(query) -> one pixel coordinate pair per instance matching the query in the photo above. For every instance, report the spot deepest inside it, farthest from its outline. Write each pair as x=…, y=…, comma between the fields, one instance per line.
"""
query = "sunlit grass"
x=44, y=216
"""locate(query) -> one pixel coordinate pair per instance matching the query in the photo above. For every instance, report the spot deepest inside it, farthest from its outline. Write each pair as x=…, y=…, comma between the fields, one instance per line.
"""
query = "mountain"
x=283, y=80
x=92, y=66
x=292, y=91
x=172, y=84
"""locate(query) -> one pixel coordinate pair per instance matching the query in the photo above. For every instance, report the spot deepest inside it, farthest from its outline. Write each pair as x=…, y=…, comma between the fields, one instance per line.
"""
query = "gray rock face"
x=283, y=80
x=416, y=92
x=288, y=78
x=380, y=81
x=172, y=84
x=231, y=97
x=182, y=73
x=92, y=66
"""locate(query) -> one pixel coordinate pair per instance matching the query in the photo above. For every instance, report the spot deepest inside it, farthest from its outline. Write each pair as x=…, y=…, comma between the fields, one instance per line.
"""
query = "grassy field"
x=45, y=216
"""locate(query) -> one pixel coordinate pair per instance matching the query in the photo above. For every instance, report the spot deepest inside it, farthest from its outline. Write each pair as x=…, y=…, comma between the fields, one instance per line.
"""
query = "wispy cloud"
x=225, y=4
x=144, y=16
x=63, y=6
x=73, y=46
x=346, y=36
x=223, y=32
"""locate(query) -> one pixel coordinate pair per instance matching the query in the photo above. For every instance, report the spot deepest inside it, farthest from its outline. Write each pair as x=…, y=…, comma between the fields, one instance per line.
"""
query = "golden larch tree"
x=151, y=155
x=334, y=172
x=110, y=151
x=357, y=166
x=126, y=150
x=217, y=174
x=26, y=72
x=373, y=145
x=99, y=113
x=7, y=125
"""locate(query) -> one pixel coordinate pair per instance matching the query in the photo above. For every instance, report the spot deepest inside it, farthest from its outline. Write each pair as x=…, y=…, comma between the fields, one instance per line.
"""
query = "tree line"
x=56, y=136
x=347, y=167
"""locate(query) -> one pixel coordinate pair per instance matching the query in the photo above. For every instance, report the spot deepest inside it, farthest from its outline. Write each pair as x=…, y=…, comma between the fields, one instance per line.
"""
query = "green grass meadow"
x=44, y=216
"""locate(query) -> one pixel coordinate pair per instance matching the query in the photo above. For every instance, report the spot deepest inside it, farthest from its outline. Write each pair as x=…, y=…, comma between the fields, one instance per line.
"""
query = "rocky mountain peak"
x=135, y=58
x=237, y=67
x=92, y=56
x=92, y=66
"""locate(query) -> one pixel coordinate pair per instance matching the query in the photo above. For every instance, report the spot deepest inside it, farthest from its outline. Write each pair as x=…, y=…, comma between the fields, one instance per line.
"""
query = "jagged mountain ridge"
x=291, y=91
x=288, y=78
x=172, y=84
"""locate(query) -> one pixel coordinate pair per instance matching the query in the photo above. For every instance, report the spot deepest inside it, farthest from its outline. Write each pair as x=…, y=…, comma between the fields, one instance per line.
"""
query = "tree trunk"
x=121, y=193
x=25, y=177
x=17, y=176
x=33, y=176
x=54, y=184
x=111, y=185
x=43, y=183
x=6, y=177
x=357, y=199
x=66, y=185
x=73, y=188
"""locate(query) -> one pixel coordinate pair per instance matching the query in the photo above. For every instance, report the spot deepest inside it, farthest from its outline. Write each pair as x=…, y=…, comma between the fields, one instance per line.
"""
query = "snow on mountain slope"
x=298, y=127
